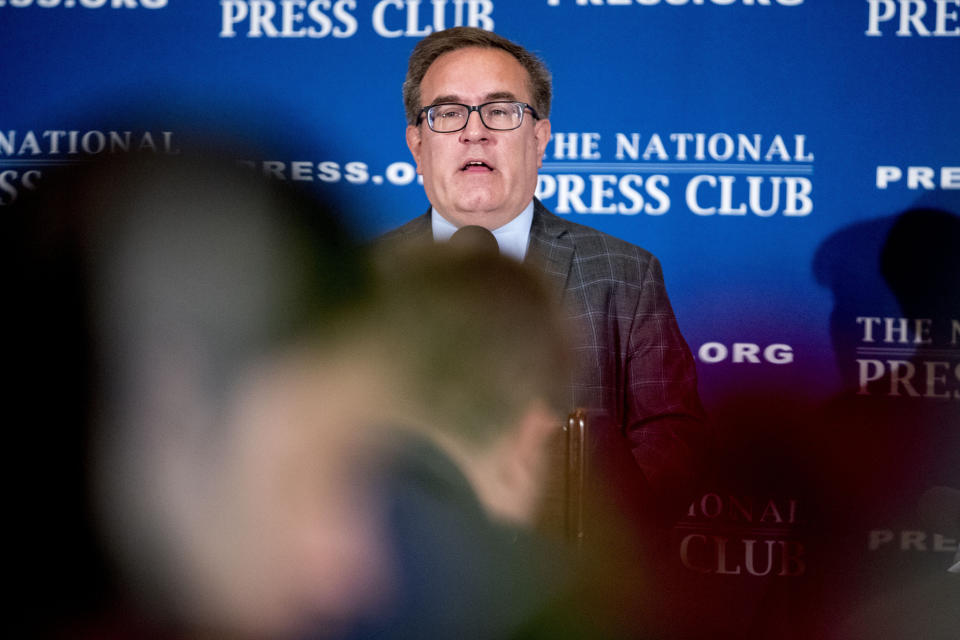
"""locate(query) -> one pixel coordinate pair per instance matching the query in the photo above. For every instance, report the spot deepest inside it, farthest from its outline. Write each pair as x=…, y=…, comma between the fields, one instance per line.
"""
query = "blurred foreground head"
x=481, y=351
x=185, y=344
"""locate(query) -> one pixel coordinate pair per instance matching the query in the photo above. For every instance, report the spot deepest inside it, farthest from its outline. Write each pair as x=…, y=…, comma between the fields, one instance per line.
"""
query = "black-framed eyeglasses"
x=448, y=117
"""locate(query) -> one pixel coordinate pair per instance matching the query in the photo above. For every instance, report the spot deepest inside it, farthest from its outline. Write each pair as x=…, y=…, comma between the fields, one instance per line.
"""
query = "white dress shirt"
x=513, y=237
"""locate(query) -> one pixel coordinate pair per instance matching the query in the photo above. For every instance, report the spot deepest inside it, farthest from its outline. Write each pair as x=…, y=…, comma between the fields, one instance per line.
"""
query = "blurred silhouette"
x=867, y=554
x=191, y=454
x=880, y=449
x=482, y=354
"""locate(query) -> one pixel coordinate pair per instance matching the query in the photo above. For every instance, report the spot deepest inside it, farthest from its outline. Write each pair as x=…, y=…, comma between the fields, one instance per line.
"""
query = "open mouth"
x=476, y=165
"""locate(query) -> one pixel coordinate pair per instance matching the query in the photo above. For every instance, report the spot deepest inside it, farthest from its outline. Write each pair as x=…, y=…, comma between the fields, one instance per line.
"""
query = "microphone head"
x=939, y=510
x=474, y=238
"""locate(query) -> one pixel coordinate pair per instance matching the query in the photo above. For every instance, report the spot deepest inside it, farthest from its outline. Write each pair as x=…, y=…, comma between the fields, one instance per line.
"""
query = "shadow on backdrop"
x=886, y=453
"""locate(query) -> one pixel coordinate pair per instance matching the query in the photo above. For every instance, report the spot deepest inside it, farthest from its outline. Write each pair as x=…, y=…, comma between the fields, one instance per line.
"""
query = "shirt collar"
x=513, y=237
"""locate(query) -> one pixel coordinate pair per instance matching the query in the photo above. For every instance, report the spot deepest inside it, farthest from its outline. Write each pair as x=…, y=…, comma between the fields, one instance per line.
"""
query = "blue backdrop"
x=764, y=150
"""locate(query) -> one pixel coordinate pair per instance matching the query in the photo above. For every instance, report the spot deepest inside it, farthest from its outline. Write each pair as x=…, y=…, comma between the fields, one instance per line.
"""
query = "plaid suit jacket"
x=633, y=367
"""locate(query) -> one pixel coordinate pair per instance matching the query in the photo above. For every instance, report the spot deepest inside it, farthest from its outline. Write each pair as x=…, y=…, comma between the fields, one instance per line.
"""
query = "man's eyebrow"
x=447, y=98
x=501, y=95
x=496, y=95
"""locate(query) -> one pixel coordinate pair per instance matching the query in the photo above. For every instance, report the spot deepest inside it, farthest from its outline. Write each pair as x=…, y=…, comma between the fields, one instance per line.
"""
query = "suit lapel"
x=418, y=231
x=551, y=248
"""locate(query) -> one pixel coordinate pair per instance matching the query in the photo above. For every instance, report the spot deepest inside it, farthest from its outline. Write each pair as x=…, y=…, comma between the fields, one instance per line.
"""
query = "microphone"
x=939, y=509
x=474, y=238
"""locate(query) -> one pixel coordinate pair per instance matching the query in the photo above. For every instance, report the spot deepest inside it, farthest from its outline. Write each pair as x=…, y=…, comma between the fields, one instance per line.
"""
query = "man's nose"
x=475, y=129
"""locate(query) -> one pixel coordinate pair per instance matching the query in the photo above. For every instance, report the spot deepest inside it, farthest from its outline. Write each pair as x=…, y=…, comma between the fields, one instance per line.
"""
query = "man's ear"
x=413, y=143
x=541, y=130
x=537, y=424
x=527, y=455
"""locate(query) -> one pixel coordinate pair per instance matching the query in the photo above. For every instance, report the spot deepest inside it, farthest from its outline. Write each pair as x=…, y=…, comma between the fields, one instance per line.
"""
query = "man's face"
x=494, y=192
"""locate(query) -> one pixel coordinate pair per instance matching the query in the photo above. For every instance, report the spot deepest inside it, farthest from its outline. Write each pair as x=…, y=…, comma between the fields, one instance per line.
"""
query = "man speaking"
x=477, y=108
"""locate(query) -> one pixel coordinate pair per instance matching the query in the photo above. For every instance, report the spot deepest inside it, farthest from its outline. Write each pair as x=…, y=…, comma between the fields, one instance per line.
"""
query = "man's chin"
x=484, y=214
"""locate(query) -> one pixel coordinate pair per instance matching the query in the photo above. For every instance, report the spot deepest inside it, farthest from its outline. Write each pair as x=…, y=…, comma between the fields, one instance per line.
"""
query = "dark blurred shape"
x=475, y=238
x=848, y=264
x=920, y=262
x=904, y=265
x=483, y=355
x=479, y=337
x=880, y=537
x=193, y=452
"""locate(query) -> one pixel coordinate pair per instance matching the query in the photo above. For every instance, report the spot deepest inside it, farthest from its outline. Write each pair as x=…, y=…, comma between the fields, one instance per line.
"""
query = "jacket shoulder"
x=604, y=252
x=409, y=231
x=407, y=237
